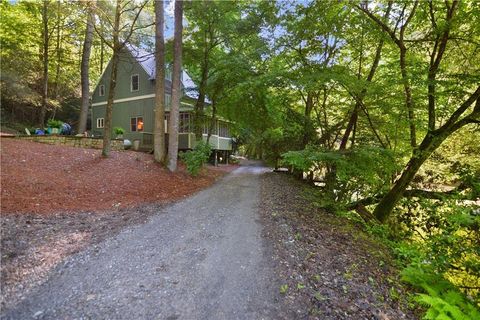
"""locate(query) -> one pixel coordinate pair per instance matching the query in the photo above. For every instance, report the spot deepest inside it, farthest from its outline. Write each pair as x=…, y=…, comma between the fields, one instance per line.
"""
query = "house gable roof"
x=147, y=61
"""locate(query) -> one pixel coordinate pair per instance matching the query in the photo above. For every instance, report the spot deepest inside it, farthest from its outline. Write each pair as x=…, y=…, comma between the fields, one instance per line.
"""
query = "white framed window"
x=134, y=82
x=100, y=122
x=168, y=100
x=136, y=124
x=101, y=90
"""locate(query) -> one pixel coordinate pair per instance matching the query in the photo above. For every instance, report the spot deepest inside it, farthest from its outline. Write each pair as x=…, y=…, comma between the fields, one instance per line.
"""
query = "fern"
x=441, y=298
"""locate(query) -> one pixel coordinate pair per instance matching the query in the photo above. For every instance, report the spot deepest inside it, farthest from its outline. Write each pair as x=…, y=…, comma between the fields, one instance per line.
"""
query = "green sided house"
x=134, y=104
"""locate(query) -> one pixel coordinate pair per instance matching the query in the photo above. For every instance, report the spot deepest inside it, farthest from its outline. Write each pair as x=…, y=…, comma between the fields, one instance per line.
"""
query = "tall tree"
x=159, y=133
x=211, y=23
x=403, y=20
x=176, y=88
x=120, y=36
x=85, y=78
x=457, y=118
x=46, y=37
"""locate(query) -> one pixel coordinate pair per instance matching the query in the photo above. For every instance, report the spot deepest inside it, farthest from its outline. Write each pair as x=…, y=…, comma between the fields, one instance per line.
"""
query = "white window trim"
x=100, y=93
x=100, y=123
x=131, y=82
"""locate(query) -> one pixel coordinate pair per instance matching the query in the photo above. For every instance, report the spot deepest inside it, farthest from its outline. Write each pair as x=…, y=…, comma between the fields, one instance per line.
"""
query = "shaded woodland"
x=377, y=103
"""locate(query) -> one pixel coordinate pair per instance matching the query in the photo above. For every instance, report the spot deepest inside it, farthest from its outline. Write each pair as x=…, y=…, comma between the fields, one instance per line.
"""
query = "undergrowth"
x=436, y=247
x=196, y=158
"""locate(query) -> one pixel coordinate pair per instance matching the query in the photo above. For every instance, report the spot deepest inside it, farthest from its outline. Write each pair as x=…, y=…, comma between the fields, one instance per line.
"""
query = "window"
x=101, y=90
x=184, y=125
x=100, y=122
x=168, y=100
x=134, y=82
x=223, y=130
x=136, y=124
x=168, y=73
x=208, y=124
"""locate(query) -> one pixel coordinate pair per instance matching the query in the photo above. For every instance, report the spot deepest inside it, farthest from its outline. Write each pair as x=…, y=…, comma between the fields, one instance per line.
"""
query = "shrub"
x=54, y=123
x=233, y=160
x=118, y=130
x=196, y=158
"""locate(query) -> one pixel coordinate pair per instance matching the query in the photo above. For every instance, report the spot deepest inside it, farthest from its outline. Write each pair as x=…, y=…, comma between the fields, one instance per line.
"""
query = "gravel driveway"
x=201, y=258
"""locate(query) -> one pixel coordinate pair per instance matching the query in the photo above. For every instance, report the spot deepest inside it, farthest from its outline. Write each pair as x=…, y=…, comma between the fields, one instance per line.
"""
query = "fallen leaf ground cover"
x=330, y=268
x=42, y=178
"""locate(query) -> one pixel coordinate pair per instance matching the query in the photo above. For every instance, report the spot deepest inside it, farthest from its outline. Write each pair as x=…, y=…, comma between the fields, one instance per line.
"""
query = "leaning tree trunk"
x=159, y=133
x=87, y=48
x=176, y=88
x=429, y=144
x=43, y=109
x=388, y=202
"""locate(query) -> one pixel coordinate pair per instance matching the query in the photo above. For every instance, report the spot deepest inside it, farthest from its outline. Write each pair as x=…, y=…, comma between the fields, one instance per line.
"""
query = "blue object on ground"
x=66, y=129
x=39, y=132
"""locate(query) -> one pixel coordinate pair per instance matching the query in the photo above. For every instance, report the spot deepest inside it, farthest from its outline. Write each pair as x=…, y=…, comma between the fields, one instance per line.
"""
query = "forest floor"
x=57, y=200
x=329, y=267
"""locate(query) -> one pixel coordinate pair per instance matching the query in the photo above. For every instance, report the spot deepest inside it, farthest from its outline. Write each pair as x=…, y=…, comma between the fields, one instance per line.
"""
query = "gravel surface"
x=201, y=258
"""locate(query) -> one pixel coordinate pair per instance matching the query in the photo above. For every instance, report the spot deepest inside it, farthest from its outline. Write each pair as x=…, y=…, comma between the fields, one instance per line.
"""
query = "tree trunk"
x=388, y=202
x=107, y=130
x=159, y=131
x=87, y=46
x=351, y=123
x=429, y=144
x=199, y=105
x=307, y=121
x=213, y=120
x=43, y=109
x=354, y=117
x=176, y=88
x=408, y=95
x=58, y=51
x=102, y=54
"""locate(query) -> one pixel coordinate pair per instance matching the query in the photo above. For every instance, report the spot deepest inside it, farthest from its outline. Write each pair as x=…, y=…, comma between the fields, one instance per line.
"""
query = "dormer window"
x=101, y=90
x=134, y=82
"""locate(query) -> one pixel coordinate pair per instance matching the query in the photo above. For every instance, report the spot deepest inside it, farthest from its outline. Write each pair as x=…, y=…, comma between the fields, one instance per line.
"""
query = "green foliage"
x=52, y=123
x=118, y=130
x=196, y=158
x=442, y=299
x=359, y=172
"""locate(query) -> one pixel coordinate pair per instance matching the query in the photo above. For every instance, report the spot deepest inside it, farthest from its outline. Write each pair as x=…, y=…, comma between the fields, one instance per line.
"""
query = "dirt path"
x=201, y=258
